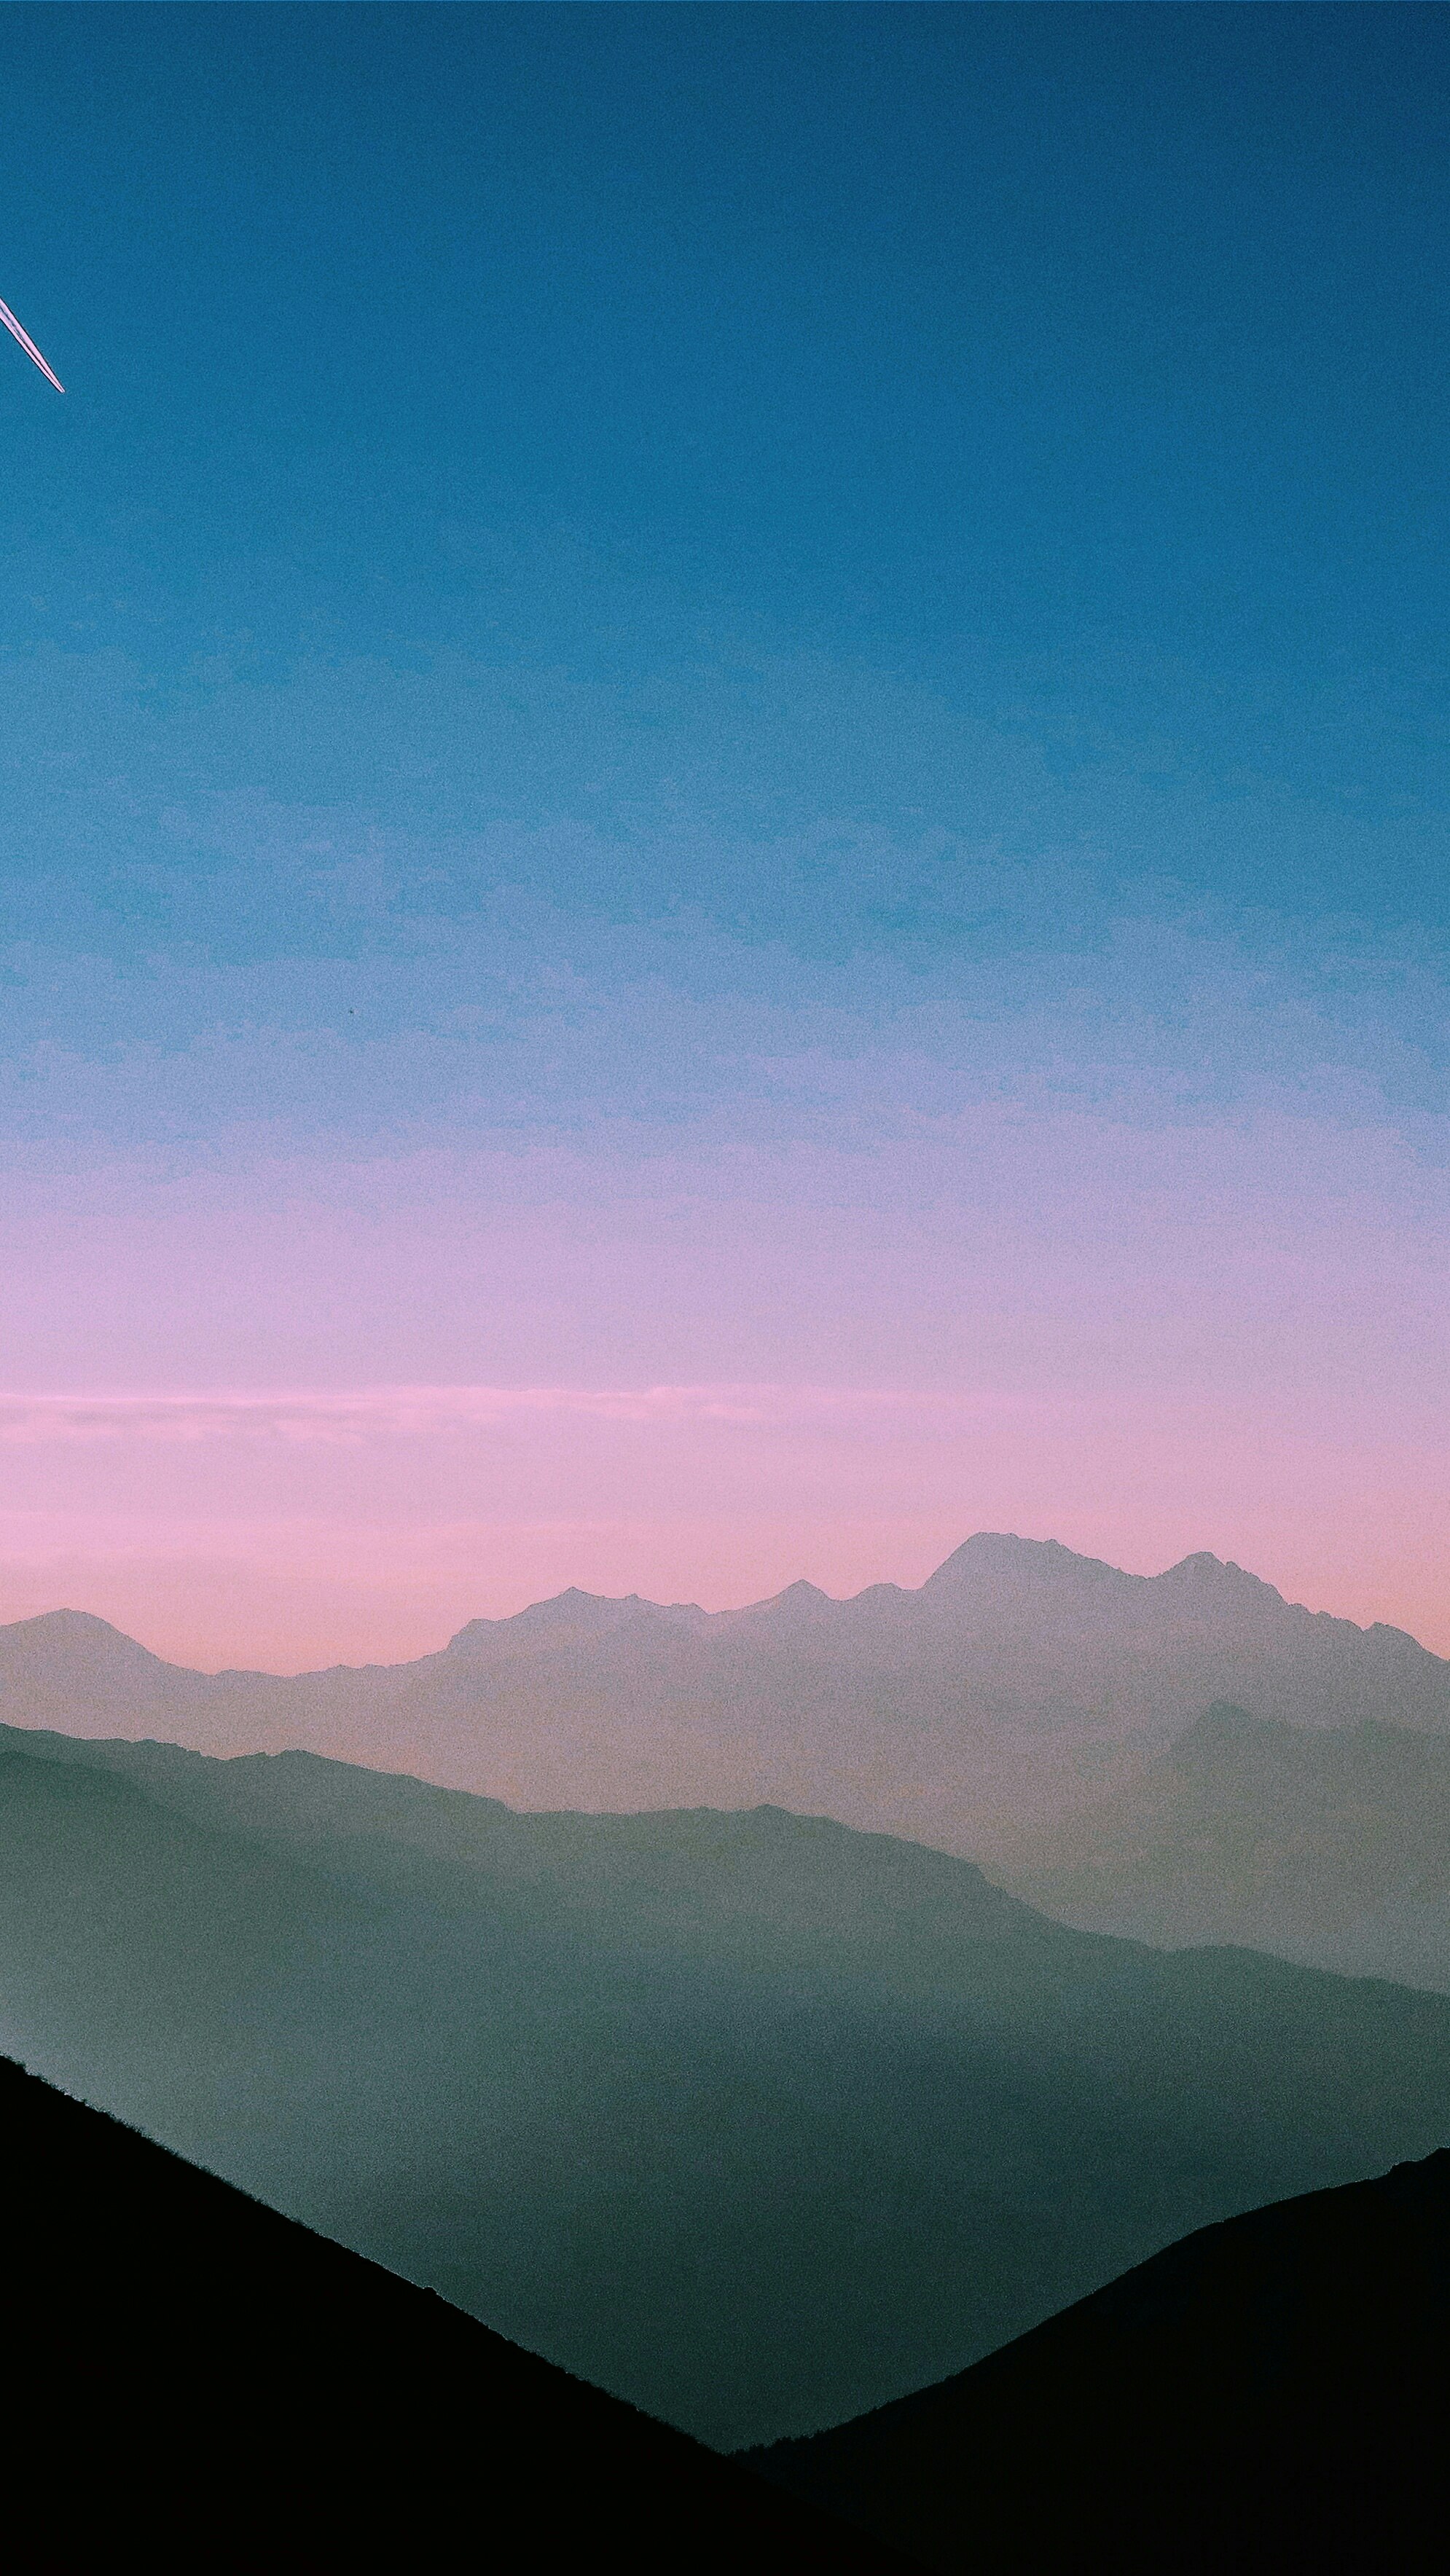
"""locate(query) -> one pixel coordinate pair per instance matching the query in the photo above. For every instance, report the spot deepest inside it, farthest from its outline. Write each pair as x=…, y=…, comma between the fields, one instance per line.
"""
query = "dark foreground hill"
x=1330, y=1845
x=192, y=2381
x=1017, y=1676
x=1269, y=2395
x=752, y=2119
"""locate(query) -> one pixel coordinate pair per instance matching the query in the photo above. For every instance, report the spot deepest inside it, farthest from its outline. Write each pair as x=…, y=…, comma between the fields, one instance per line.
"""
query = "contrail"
x=28, y=345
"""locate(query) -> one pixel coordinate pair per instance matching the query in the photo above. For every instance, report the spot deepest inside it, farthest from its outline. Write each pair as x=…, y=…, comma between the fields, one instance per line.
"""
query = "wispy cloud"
x=357, y=1414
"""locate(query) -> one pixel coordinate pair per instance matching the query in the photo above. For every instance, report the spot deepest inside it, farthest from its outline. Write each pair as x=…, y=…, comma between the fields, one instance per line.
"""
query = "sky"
x=724, y=782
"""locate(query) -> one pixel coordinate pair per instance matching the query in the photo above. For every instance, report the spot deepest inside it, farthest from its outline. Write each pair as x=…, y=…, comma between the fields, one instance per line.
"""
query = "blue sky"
x=1079, y=372
x=717, y=627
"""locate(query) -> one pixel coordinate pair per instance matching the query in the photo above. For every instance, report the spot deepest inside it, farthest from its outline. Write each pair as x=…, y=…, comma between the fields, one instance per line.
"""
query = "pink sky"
x=281, y=1407
x=303, y=1527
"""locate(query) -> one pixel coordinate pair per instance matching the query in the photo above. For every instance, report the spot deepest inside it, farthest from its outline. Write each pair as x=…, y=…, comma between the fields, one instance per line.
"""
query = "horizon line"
x=1195, y=1557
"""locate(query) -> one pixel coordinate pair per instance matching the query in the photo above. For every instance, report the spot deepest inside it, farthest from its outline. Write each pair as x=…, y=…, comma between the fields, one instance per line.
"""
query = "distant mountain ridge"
x=1330, y=1845
x=1017, y=1676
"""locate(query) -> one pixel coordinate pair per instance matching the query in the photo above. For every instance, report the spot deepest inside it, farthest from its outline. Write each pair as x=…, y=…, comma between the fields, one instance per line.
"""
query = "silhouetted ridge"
x=193, y=2381
x=1269, y=2394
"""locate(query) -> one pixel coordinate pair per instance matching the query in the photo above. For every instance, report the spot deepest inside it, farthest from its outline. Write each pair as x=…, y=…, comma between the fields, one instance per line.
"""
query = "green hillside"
x=753, y=2119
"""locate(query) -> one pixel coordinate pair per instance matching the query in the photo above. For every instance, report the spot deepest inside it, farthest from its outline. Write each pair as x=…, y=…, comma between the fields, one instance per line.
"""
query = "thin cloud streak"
x=401, y=1412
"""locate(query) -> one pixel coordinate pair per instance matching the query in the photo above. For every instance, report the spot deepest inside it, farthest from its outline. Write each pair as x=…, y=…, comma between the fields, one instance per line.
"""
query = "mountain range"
x=1330, y=1845
x=1269, y=2394
x=753, y=2119
x=1018, y=1681
x=190, y=2380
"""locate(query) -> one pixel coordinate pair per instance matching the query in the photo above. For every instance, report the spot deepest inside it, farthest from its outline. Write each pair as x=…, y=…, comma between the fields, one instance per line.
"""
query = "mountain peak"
x=1021, y=1560
x=64, y=1622
x=1205, y=1572
x=799, y=1601
x=75, y=1635
x=572, y=1613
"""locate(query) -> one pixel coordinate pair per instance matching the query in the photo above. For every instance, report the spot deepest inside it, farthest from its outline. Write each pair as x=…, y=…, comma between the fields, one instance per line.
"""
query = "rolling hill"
x=1269, y=2394
x=1016, y=1681
x=750, y=2118
x=192, y=2381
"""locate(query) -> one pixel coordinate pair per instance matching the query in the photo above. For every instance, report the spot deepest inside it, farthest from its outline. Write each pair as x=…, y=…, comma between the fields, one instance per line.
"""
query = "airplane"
x=28, y=345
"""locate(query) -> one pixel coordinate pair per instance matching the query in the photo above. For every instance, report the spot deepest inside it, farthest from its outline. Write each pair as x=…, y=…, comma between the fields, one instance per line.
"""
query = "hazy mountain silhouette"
x=750, y=2118
x=193, y=2381
x=1270, y=2394
x=1331, y=1846
x=1018, y=1675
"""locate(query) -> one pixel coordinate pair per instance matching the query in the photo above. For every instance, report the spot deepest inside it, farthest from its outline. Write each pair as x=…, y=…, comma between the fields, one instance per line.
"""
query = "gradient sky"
x=723, y=835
